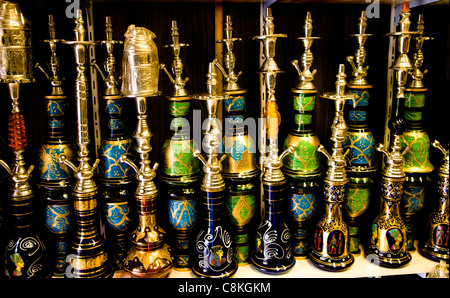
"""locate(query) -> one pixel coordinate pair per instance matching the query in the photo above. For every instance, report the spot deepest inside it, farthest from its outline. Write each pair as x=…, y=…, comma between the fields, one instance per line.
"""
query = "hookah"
x=359, y=141
x=273, y=239
x=87, y=256
x=240, y=170
x=388, y=244
x=25, y=255
x=180, y=170
x=115, y=177
x=303, y=166
x=331, y=237
x=214, y=244
x=436, y=244
x=149, y=256
x=417, y=160
x=55, y=179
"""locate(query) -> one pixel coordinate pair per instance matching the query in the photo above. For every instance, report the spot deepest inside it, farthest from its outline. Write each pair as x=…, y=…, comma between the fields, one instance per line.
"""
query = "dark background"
x=333, y=23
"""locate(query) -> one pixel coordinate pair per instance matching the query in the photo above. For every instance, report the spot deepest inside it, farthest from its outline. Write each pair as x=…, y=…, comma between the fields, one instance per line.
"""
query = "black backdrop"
x=333, y=23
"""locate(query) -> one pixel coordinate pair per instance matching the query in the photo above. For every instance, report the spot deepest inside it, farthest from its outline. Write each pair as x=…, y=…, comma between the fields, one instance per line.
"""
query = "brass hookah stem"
x=178, y=83
x=336, y=172
x=54, y=78
x=17, y=141
x=359, y=69
x=212, y=166
x=144, y=173
x=229, y=59
x=402, y=65
x=307, y=58
x=270, y=69
x=416, y=73
x=84, y=172
x=110, y=61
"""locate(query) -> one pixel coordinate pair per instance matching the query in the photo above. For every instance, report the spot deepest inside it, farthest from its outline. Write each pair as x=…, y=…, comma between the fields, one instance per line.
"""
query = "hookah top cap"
x=16, y=63
x=444, y=169
x=140, y=63
x=394, y=160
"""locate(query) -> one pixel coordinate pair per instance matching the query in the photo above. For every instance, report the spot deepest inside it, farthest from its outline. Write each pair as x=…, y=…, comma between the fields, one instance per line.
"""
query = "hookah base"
x=229, y=271
x=153, y=263
x=436, y=254
x=387, y=259
x=106, y=272
x=331, y=264
x=264, y=266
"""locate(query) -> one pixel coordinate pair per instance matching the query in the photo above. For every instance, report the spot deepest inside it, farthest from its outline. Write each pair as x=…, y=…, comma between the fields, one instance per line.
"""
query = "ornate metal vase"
x=116, y=178
x=436, y=244
x=240, y=170
x=213, y=256
x=87, y=256
x=273, y=240
x=180, y=169
x=359, y=141
x=330, y=250
x=55, y=179
x=149, y=255
x=25, y=255
x=303, y=167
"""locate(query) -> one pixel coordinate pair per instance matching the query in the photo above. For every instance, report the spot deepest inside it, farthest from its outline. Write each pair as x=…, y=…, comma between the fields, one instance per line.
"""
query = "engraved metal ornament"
x=16, y=59
x=140, y=65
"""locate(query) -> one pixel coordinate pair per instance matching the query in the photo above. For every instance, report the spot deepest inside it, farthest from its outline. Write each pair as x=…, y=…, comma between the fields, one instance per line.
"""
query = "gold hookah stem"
x=359, y=70
x=336, y=172
x=110, y=61
x=84, y=172
x=230, y=58
x=270, y=69
x=307, y=58
x=177, y=64
x=55, y=79
x=416, y=72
